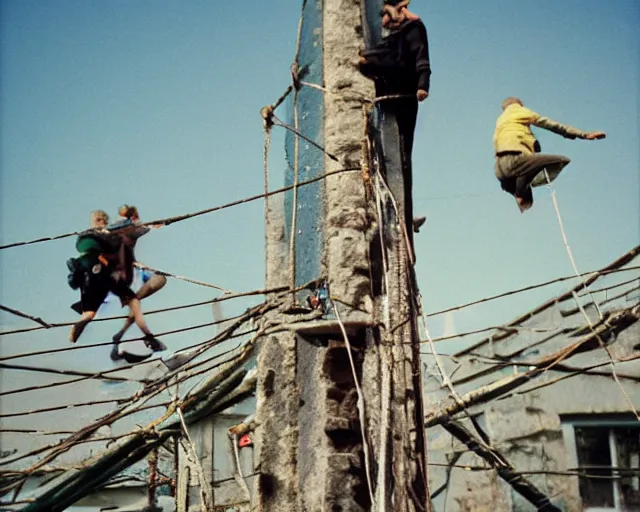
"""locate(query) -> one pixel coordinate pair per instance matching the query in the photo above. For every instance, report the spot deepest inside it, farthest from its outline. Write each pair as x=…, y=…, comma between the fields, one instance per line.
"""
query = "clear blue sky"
x=156, y=103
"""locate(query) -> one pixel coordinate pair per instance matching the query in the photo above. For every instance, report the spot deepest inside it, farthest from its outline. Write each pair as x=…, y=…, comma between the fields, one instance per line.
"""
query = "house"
x=35, y=424
x=561, y=413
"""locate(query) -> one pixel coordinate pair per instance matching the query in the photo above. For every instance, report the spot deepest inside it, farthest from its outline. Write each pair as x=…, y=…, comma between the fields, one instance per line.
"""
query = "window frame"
x=569, y=425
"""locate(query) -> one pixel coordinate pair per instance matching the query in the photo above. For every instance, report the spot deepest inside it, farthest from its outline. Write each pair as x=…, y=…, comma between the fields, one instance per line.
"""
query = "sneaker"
x=154, y=344
x=418, y=222
x=523, y=204
x=115, y=352
x=77, y=328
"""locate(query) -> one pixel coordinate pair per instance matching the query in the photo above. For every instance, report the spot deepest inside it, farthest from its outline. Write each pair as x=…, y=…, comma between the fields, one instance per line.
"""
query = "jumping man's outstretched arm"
x=565, y=130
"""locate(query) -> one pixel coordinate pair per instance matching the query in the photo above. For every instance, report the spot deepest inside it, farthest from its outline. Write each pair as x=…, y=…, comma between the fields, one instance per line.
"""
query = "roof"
x=613, y=290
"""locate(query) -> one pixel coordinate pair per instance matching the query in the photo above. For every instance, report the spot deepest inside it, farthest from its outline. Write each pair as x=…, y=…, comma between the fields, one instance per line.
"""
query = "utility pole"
x=339, y=403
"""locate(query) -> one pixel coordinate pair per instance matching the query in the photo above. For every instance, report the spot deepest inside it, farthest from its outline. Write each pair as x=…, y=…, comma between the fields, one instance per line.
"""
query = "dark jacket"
x=129, y=232
x=415, y=54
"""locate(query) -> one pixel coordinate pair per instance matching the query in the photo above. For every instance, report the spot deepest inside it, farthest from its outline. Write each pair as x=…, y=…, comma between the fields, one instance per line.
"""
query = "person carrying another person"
x=95, y=273
x=519, y=163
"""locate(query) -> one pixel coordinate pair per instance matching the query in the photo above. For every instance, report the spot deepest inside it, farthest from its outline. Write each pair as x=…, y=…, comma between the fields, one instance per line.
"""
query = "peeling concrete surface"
x=277, y=434
x=350, y=217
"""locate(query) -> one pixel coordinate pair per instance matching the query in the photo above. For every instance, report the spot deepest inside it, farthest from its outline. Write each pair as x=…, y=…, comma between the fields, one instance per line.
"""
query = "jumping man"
x=519, y=165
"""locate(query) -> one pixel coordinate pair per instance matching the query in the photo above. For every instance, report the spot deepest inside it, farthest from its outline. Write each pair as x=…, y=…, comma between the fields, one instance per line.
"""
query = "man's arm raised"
x=566, y=131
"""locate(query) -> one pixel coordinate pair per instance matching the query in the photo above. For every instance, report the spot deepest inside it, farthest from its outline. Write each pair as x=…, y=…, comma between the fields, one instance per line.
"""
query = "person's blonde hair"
x=510, y=101
x=97, y=216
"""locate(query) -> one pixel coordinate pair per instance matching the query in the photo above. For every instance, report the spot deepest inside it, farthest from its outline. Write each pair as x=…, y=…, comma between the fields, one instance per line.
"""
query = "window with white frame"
x=607, y=453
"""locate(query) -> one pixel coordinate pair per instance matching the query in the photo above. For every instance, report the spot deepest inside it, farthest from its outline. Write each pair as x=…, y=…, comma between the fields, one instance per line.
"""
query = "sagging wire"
x=101, y=375
x=446, y=381
x=296, y=157
x=604, y=346
x=223, y=298
x=206, y=493
x=529, y=288
x=108, y=343
x=142, y=266
x=566, y=241
x=145, y=395
x=179, y=218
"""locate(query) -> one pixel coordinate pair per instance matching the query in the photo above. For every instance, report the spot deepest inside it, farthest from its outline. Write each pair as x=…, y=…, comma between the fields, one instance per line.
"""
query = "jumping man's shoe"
x=418, y=222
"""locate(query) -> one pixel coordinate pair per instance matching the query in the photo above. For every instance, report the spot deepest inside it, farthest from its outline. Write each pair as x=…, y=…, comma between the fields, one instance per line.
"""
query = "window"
x=610, y=455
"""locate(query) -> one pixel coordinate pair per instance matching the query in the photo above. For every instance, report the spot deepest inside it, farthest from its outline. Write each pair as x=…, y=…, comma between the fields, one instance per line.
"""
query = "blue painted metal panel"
x=311, y=198
x=372, y=21
x=383, y=124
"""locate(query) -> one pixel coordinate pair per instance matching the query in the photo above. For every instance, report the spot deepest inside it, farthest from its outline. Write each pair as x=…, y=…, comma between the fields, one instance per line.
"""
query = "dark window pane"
x=628, y=448
x=592, y=444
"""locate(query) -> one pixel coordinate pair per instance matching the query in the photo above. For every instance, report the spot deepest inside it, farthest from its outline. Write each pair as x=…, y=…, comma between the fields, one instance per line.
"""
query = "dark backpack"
x=385, y=60
x=76, y=276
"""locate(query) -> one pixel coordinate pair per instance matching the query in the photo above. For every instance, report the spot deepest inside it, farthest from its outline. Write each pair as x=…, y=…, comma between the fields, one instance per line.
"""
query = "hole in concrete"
x=336, y=394
x=361, y=496
x=268, y=382
x=337, y=367
x=268, y=484
x=344, y=440
x=361, y=271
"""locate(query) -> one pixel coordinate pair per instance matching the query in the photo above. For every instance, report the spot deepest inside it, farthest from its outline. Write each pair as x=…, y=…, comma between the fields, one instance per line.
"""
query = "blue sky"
x=157, y=104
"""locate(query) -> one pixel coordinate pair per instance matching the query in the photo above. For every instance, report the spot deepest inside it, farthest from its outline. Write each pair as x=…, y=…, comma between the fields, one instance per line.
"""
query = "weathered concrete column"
x=312, y=452
x=349, y=215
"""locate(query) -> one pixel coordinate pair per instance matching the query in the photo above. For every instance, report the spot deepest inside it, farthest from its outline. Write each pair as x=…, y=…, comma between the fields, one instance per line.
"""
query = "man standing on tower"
x=401, y=70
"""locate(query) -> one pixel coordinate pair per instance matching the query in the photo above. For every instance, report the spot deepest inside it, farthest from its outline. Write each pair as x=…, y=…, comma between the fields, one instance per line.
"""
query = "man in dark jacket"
x=401, y=70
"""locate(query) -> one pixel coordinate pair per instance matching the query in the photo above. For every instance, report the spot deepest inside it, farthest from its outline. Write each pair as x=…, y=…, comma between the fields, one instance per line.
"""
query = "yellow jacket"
x=513, y=129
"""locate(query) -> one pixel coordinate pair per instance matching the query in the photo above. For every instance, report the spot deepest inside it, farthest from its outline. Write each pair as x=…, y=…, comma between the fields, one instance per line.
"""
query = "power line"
x=579, y=471
x=70, y=406
x=529, y=288
x=507, y=329
x=181, y=278
x=579, y=371
x=161, y=310
x=84, y=375
x=616, y=265
x=223, y=298
x=98, y=376
x=179, y=218
x=110, y=343
x=573, y=349
x=142, y=396
x=20, y=314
